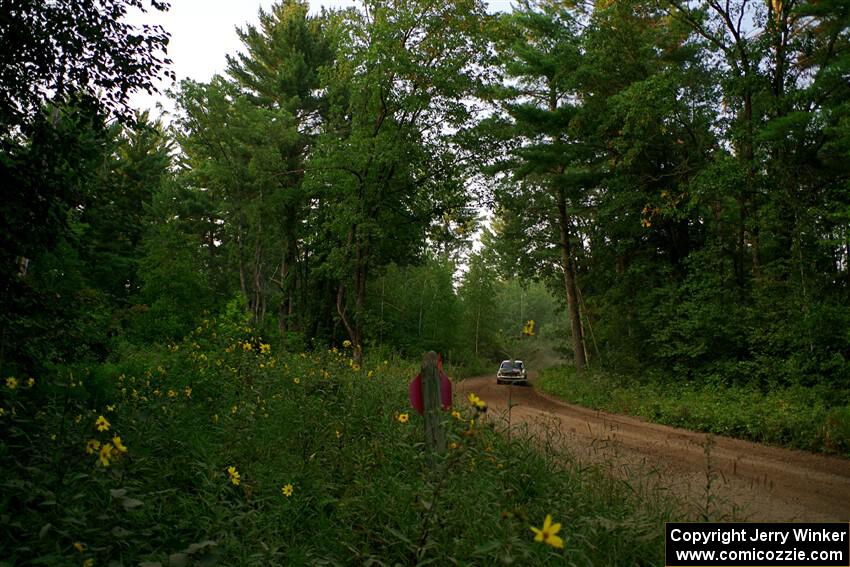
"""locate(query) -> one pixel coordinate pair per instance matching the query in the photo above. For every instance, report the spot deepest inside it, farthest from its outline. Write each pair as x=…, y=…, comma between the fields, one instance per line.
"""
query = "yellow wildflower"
x=234, y=475
x=247, y=347
x=110, y=408
x=403, y=418
x=338, y=434
x=546, y=534
x=187, y=391
x=296, y=380
x=30, y=382
x=477, y=402
x=172, y=394
x=105, y=454
x=102, y=424
x=92, y=445
x=370, y=374
x=346, y=343
x=119, y=446
x=456, y=414
x=287, y=490
x=81, y=547
x=78, y=419
x=11, y=382
x=2, y=412
x=265, y=348
x=88, y=562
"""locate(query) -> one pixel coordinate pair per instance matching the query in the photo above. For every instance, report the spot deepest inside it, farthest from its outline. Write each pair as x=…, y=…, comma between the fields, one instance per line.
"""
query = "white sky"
x=204, y=31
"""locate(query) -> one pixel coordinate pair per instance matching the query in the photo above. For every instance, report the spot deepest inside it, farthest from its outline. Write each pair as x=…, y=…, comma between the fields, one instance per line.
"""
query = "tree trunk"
x=354, y=327
x=286, y=299
x=477, y=326
x=359, y=305
x=381, y=327
x=239, y=250
x=751, y=209
x=257, y=300
x=570, y=283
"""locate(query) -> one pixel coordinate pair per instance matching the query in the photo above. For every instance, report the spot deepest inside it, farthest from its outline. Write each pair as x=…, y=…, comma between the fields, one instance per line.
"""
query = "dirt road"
x=748, y=481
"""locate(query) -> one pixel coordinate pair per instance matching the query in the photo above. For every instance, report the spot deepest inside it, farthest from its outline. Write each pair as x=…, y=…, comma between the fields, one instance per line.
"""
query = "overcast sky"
x=203, y=32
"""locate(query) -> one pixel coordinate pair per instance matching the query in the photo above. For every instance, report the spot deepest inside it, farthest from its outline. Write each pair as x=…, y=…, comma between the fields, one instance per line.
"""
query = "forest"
x=654, y=189
x=675, y=174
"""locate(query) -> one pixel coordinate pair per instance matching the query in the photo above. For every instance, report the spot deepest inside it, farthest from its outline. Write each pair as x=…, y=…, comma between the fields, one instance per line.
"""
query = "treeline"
x=679, y=169
x=676, y=173
x=314, y=185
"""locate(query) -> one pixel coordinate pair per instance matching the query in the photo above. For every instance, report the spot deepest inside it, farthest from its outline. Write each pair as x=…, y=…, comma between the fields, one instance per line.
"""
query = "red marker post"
x=416, y=392
x=430, y=390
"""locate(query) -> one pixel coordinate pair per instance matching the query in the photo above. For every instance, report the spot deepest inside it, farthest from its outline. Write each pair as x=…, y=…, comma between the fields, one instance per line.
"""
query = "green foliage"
x=329, y=467
x=114, y=215
x=84, y=48
x=413, y=309
x=480, y=309
x=698, y=175
x=74, y=224
x=382, y=161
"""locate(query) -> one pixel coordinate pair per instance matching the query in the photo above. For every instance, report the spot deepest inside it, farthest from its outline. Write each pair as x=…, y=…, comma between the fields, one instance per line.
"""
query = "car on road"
x=512, y=372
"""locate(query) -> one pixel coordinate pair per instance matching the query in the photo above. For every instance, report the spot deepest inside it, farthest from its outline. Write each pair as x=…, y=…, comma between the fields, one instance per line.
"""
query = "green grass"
x=796, y=417
x=363, y=491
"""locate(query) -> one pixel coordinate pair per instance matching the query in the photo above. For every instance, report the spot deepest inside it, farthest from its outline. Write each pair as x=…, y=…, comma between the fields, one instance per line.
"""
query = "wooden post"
x=435, y=437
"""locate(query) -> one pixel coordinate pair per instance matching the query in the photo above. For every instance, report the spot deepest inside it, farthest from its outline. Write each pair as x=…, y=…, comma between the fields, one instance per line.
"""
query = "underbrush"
x=799, y=417
x=220, y=450
x=472, y=367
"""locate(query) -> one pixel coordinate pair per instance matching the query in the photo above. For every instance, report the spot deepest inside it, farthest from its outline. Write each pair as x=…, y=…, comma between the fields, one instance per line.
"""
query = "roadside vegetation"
x=220, y=449
x=802, y=417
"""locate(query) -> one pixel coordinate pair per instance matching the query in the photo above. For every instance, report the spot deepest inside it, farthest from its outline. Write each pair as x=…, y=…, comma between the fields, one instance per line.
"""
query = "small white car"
x=512, y=372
